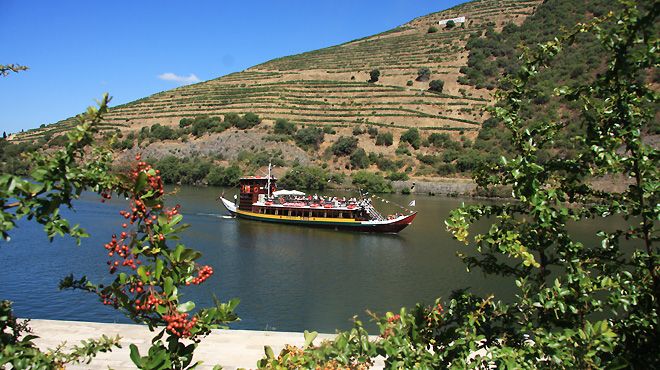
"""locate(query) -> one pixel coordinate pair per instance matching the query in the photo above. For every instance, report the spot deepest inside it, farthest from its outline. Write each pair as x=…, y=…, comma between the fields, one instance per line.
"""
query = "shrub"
x=450, y=24
x=59, y=178
x=248, y=120
x=385, y=139
x=412, y=137
x=409, y=83
x=385, y=164
x=160, y=132
x=445, y=169
x=329, y=130
x=185, y=122
x=357, y=130
x=372, y=131
x=232, y=118
x=309, y=137
x=371, y=182
x=306, y=177
x=436, y=86
x=374, y=75
x=397, y=176
x=345, y=145
x=359, y=159
x=423, y=74
x=224, y=176
x=284, y=127
x=428, y=159
x=442, y=140
x=203, y=124
x=432, y=29
x=402, y=149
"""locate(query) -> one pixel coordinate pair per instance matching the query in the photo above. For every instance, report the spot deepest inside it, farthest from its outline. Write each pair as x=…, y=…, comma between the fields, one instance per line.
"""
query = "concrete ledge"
x=230, y=348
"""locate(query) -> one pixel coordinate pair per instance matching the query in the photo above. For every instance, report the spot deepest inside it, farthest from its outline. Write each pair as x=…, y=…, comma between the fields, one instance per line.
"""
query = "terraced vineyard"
x=328, y=87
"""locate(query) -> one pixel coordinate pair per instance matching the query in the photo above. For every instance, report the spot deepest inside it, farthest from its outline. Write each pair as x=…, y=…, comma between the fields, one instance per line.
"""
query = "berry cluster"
x=434, y=315
x=204, y=273
x=151, y=301
x=172, y=212
x=105, y=194
x=108, y=300
x=119, y=248
x=141, y=227
x=394, y=318
x=179, y=325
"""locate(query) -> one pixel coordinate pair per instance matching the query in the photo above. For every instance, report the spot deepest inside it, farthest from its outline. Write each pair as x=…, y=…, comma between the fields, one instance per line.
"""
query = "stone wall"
x=442, y=187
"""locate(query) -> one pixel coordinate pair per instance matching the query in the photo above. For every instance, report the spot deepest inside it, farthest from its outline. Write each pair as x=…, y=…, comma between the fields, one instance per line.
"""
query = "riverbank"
x=446, y=187
x=232, y=349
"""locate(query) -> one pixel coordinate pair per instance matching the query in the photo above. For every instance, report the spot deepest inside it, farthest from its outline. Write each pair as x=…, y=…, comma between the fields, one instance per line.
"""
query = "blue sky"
x=77, y=50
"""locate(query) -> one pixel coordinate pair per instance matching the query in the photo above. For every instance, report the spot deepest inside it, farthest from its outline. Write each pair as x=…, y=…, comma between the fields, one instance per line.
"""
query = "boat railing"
x=375, y=215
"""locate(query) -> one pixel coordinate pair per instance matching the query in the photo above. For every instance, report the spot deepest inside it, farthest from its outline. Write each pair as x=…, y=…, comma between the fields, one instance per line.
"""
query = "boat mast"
x=268, y=180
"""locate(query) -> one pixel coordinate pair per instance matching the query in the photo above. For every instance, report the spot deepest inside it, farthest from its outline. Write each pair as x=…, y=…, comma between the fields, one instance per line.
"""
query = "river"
x=288, y=278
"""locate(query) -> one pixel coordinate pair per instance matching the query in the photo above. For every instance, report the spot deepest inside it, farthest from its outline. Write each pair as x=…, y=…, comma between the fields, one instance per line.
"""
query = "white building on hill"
x=456, y=21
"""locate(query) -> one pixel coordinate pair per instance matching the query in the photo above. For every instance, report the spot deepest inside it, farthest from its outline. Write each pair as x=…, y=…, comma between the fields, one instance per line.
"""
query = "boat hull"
x=387, y=226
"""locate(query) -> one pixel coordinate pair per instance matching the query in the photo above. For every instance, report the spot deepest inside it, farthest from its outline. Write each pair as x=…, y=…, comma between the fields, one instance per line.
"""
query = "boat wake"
x=216, y=215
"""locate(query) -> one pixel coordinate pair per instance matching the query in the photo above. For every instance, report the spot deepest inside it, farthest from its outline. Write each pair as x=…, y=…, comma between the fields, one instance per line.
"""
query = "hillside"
x=329, y=88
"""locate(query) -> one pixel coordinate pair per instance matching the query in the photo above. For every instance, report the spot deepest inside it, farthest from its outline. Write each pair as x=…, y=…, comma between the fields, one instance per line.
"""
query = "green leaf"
x=159, y=268
x=269, y=352
x=176, y=219
x=168, y=285
x=309, y=337
x=140, y=182
x=135, y=356
x=185, y=307
x=142, y=273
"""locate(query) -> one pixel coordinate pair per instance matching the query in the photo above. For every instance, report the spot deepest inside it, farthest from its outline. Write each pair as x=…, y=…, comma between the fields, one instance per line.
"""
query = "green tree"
x=384, y=138
x=309, y=137
x=580, y=304
x=224, y=176
x=374, y=75
x=432, y=29
x=359, y=159
x=305, y=178
x=371, y=182
x=450, y=24
x=423, y=74
x=345, y=145
x=284, y=127
x=162, y=132
x=248, y=121
x=412, y=137
x=146, y=276
x=436, y=86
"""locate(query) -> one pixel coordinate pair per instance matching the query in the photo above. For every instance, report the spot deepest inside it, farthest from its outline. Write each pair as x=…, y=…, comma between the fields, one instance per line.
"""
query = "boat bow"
x=231, y=207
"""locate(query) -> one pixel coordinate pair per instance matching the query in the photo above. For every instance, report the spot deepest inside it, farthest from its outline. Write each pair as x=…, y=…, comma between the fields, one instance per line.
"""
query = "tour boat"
x=260, y=200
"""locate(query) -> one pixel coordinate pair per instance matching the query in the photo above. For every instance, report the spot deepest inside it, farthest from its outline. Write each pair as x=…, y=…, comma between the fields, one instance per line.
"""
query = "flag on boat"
x=412, y=203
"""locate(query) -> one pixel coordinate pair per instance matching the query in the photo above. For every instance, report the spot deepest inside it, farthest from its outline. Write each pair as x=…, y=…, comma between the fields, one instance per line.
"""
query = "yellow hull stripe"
x=295, y=218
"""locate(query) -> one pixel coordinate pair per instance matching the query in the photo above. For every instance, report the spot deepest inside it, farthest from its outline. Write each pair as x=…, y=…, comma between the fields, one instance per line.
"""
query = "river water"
x=288, y=278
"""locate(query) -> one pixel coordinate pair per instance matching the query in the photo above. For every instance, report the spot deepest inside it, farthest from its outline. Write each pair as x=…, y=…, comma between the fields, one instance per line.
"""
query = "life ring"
x=255, y=189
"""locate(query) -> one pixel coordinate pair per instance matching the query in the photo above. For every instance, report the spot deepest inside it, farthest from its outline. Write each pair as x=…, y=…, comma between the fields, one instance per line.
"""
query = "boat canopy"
x=287, y=192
